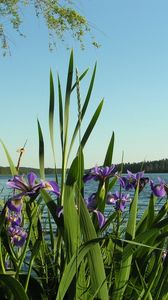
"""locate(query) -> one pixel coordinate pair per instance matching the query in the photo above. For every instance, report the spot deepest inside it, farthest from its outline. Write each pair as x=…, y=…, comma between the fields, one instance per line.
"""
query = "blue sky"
x=132, y=77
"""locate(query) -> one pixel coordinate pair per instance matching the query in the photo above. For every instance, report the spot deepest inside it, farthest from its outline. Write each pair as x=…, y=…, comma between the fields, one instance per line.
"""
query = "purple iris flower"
x=91, y=202
x=99, y=173
x=158, y=189
x=51, y=186
x=15, y=205
x=13, y=218
x=100, y=218
x=131, y=180
x=30, y=187
x=17, y=235
x=119, y=199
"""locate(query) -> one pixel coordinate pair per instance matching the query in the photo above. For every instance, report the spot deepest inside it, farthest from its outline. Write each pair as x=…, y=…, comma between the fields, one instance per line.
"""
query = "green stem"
x=2, y=267
x=117, y=235
x=28, y=274
x=24, y=251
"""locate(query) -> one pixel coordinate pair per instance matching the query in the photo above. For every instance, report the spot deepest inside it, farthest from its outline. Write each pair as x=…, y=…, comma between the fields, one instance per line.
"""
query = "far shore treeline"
x=156, y=166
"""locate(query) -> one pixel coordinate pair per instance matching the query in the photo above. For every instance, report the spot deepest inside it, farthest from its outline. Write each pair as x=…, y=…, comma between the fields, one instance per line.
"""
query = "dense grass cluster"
x=78, y=251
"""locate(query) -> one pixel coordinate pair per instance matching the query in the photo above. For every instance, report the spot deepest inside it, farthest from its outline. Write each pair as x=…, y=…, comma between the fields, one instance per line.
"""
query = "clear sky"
x=132, y=76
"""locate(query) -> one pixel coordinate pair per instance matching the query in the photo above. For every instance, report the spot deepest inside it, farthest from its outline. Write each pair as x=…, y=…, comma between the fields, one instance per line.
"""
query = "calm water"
x=90, y=188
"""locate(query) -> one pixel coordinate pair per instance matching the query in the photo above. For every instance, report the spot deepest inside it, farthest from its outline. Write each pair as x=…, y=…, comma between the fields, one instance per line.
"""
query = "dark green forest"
x=156, y=166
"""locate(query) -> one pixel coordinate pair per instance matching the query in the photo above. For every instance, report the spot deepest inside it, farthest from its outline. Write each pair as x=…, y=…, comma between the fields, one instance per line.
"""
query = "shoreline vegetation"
x=155, y=166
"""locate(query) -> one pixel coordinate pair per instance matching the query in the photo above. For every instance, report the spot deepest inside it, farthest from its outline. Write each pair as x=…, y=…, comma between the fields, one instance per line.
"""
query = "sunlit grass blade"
x=51, y=121
x=141, y=225
x=70, y=269
x=125, y=266
x=67, y=99
x=76, y=170
x=109, y=153
x=83, y=110
x=60, y=112
x=163, y=211
x=107, y=162
x=134, y=244
x=151, y=211
x=161, y=288
x=73, y=172
x=95, y=260
x=11, y=164
x=66, y=124
x=142, y=280
x=41, y=151
x=15, y=287
x=91, y=125
x=71, y=220
x=154, y=274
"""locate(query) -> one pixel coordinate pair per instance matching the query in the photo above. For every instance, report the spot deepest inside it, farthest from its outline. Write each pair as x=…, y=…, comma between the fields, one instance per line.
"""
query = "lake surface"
x=91, y=187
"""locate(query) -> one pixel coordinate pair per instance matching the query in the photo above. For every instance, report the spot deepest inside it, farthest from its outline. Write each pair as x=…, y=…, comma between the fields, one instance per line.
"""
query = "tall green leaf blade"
x=71, y=226
x=107, y=162
x=161, y=288
x=71, y=222
x=125, y=266
x=76, y=170
x=151, y=211
x=154, y=277
x=51, y=109
x=41, y=150
x=95, y=260
x=51, y=121
x=11, y=164
x=73, y=172
x=143, y=241
x=70, y=269
x=15, y=287
x=66, y=124
x=91, y=124
x=67, y=98
x=163, y=211
x=109, y=153
x=60, y=111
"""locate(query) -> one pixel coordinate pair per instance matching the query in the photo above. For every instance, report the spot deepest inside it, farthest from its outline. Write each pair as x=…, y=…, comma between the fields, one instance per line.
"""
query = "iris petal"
x=31, y=177
x=17, y=183
x=100, y=218
x=15, y=205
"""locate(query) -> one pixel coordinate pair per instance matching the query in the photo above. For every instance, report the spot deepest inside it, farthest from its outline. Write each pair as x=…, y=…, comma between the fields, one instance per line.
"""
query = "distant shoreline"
x=156, y=166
